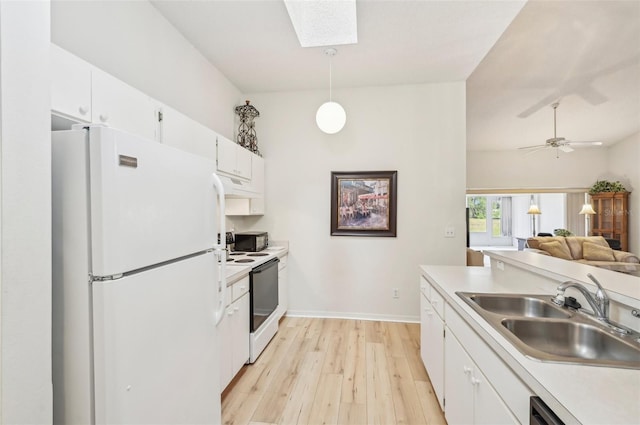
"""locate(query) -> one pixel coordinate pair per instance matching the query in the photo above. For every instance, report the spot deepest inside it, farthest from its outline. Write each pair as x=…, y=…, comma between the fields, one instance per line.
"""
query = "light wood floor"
x=334, y=371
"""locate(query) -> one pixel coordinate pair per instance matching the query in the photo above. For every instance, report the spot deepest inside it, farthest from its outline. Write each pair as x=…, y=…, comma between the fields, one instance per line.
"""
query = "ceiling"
x=517, y=59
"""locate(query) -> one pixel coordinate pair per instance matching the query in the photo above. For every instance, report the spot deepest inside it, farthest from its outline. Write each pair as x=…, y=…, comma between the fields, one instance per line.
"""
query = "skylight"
x=323, y=22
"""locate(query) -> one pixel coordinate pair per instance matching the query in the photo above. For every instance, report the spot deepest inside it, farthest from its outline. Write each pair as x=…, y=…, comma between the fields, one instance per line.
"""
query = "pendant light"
x=331, y=116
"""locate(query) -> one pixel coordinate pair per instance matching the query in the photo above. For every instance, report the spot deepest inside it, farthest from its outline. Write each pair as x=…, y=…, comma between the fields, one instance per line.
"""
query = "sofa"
x=592, y=250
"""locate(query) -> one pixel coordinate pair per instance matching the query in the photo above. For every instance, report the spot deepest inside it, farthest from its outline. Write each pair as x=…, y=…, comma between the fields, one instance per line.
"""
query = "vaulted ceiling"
x=517, y=58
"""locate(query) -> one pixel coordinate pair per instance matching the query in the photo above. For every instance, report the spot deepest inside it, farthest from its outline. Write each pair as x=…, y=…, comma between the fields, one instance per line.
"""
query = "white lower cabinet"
x=233, y=332
x=470, y=398
x=432, y=341
x=283, y=289
x=472, y=383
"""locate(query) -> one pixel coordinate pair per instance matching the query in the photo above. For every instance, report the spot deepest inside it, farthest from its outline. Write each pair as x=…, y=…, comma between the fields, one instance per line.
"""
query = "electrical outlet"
x=396, y=293
x=449, y=232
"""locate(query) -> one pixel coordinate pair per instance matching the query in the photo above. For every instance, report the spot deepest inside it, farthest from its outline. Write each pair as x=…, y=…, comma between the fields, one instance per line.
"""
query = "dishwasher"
x=541, y=414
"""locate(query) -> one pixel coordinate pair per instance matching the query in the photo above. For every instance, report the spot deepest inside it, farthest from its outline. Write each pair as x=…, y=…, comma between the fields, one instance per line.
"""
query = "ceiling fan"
x=559, y=142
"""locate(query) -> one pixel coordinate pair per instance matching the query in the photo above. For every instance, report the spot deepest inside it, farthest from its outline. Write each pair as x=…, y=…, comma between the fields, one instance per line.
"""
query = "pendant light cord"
x=330, y=60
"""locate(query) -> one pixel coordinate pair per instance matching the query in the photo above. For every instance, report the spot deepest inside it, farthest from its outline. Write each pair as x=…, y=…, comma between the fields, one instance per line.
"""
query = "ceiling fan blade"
x=583, y=144
x=533, y=147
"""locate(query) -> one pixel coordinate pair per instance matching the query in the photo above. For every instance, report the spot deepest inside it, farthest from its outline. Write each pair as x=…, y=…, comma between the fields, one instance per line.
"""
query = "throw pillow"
x=626, y=257
x=557, y=249
x=595, y=252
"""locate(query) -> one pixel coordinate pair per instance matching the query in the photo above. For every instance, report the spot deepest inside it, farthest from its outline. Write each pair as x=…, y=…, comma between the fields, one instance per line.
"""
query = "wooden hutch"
x=612, y=216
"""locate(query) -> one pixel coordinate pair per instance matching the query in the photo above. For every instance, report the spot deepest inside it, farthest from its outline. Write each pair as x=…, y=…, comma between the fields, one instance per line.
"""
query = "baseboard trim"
x=354, y=316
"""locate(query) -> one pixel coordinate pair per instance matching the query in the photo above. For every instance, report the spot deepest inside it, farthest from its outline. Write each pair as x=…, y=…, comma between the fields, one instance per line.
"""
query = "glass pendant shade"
x=331, y=117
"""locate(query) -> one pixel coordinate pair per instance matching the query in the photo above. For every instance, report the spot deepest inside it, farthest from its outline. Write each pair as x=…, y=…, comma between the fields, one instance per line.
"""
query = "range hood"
x=238, y=188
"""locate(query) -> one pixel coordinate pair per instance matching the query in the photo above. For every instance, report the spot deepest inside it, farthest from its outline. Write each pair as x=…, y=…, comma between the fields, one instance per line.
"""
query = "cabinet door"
x=432, y=350
x=182, y=132
x=225, y=334
x=458, y=389
x=240, y=334
x=257, y=181
x=226, y=156
x=120, y=106
x=243, y=162
x=283, y=296
x=70, y=85
x=488, y=407
x=253, y=206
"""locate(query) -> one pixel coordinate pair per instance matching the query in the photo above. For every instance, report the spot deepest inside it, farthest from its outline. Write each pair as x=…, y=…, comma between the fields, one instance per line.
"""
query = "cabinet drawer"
x=437, y=302
x=240, y=288
x=425, y=288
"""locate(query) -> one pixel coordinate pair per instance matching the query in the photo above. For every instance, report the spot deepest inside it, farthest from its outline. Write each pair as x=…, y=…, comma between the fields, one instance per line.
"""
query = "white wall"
x=132, y=41
x=25, y=219
x=624, y=165
x=418, y=130
x=554, y=212
x=516, y=170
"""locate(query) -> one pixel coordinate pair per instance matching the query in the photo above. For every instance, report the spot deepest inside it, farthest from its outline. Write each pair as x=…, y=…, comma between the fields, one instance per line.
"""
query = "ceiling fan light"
x=331, y=117
x=565, y=148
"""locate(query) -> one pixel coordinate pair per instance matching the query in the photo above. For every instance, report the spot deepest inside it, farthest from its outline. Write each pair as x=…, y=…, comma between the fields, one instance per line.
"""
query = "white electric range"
x=251, y=259
x=263, y=293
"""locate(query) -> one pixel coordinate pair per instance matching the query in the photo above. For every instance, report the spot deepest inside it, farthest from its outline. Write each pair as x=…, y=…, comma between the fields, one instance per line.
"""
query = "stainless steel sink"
x=540, y=329
x=565, y=339
x=519, y=305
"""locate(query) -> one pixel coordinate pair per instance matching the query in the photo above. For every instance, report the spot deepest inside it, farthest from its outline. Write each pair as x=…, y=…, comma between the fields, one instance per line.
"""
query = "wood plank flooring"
x=335, y=371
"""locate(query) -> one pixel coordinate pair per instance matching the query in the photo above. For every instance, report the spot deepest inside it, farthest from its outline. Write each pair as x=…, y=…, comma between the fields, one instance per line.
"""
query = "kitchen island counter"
x=576, y=393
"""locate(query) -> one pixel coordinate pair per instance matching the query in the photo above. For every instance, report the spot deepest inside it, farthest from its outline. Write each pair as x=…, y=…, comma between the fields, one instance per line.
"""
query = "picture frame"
x=364, y=203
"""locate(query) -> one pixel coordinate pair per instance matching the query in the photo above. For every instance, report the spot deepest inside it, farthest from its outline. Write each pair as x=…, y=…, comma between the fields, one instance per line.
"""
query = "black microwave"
x=251, y=241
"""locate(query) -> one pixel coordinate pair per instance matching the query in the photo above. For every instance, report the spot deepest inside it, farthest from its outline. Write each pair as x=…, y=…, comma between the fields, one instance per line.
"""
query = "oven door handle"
x=221, y=251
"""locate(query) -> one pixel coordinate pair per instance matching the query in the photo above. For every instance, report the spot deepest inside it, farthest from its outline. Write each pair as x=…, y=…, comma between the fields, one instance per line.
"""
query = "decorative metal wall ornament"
x=246, y=131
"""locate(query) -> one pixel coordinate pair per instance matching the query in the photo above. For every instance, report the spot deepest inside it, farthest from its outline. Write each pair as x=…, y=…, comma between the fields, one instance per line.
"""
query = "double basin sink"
x=540, y=329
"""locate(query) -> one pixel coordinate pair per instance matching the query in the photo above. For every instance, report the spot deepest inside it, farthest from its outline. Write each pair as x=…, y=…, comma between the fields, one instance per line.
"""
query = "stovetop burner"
x=245, y=260
x=257, y=254
x=237, y=253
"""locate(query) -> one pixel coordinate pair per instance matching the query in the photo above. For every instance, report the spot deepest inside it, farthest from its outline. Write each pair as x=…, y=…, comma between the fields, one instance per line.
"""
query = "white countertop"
x=577, y=393
x=235, y=273
x=279, y=250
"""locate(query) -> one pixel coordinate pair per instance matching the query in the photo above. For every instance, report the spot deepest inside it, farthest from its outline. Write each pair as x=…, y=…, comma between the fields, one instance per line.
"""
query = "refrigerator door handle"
x=220, y=249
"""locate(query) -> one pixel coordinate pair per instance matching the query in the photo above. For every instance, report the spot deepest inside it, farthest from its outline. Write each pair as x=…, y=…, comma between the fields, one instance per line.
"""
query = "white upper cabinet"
x=119, y=105
x=253, y=206
x=70, y=85
x=81, y=92
x=233, y=159
x=182, y=132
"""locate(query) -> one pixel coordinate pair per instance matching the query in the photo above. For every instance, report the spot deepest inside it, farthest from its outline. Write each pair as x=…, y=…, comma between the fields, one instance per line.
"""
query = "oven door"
x=264, y=292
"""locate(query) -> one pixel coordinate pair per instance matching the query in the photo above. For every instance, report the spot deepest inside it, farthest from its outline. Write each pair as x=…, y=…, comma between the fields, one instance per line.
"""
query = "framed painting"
x=363, y=203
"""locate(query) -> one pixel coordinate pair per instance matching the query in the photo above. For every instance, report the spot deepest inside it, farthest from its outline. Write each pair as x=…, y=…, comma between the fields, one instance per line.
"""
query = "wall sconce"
x=587, y=211
x=534, y=211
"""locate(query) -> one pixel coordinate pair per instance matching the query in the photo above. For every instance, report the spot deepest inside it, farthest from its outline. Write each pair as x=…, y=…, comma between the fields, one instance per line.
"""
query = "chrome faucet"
x=599, y=304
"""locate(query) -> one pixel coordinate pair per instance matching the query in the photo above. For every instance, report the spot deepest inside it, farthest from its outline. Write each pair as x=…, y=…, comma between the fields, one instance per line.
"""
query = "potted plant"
x=606, y=186
x=562, y=232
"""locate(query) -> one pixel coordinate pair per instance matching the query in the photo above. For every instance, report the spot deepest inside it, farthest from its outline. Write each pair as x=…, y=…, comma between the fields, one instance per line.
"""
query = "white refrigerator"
x=138, y=281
